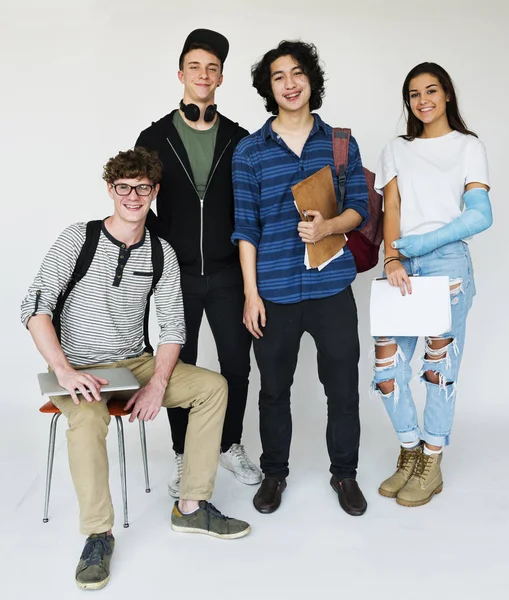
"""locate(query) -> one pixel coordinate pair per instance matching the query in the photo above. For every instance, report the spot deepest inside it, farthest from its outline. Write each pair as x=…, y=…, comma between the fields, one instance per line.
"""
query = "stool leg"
x=143, y=440
x=49, y=467
x=121, y=460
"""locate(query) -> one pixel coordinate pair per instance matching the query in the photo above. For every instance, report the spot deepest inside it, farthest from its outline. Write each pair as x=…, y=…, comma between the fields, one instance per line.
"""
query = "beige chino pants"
x=203, y=391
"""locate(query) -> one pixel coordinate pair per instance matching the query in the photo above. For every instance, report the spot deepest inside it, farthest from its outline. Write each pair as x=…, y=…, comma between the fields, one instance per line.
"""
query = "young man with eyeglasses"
x=195, y=214
x=284, y=298
x=102, y=325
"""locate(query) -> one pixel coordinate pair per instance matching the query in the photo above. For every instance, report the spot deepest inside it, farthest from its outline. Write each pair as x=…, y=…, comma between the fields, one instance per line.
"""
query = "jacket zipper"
x=202, y=200
x=201, y=236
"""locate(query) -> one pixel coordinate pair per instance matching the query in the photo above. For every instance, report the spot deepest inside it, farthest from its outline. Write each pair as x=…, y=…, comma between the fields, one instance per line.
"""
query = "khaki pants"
x=202, y=391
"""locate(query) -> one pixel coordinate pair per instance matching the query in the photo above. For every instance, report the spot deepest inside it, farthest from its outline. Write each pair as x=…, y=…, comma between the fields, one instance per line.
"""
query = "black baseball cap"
x=211, y=38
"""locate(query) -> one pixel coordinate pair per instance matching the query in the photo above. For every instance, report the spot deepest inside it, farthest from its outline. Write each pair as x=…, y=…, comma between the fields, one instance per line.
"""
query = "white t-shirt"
x=432, y=174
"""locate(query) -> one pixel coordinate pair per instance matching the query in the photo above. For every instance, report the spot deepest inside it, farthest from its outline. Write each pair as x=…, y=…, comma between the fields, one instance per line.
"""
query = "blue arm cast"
x=475, y=218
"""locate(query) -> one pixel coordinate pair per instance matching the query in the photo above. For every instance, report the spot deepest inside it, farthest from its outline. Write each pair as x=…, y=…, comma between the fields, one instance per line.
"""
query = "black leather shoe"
x=350, y=497
x=268, y=497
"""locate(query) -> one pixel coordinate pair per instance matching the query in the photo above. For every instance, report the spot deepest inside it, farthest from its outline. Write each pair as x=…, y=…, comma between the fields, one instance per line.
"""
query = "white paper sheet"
x=324, y=264
x=425, y=312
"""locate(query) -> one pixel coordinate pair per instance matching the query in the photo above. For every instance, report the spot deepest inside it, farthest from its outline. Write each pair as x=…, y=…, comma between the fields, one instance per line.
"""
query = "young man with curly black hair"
x=283, y=298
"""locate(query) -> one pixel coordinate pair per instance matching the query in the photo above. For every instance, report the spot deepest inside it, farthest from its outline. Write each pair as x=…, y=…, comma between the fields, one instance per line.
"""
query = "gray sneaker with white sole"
x=208, y=520
x=93, y=570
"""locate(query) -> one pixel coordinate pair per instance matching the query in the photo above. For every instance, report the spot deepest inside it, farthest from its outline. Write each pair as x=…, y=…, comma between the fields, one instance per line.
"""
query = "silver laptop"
x=118, y=380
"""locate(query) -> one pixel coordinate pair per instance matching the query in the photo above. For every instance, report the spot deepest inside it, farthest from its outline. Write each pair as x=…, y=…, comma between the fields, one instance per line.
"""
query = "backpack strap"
x=87, y=253
x=157, y=271
x=83, y=262
x=340, y=145
x=157, y=260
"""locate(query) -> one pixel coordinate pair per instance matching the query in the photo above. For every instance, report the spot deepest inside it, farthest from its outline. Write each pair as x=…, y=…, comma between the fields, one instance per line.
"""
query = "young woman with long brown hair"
x=435, y=184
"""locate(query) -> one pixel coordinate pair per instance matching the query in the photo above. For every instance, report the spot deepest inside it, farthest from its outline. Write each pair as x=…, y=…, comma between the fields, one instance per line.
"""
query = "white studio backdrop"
x=81, y=79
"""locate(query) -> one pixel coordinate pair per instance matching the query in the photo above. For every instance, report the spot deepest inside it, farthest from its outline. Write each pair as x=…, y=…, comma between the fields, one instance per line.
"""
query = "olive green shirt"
x=200, y=147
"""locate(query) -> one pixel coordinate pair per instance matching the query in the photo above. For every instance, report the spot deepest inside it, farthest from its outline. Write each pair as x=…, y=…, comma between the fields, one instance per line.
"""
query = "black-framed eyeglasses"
x=124, y=189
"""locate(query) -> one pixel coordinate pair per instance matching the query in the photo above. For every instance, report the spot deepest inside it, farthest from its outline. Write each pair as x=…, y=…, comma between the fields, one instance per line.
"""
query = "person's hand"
x=88, y=385
x=313, y=230
x=398, y=277
x=254, y=315
x=147, y=402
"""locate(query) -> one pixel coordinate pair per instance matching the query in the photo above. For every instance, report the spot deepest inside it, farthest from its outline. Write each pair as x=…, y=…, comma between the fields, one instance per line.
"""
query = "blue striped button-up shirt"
x=264, y=170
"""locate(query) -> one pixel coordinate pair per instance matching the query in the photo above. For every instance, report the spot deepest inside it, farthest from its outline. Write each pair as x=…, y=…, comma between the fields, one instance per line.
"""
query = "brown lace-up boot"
x=425, y=482
x=406, y=462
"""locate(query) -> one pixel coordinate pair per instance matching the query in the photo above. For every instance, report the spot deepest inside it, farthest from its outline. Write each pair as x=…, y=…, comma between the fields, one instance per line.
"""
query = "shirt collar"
x=121, y=244
x=268, y=132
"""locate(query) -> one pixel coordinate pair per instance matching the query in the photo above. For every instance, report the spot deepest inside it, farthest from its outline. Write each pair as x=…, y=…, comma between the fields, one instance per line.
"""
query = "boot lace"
x=423, y=465
x=406, y=457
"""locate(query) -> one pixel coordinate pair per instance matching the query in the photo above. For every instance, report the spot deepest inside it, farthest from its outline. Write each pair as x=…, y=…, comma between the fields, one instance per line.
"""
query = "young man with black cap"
x=195, y=214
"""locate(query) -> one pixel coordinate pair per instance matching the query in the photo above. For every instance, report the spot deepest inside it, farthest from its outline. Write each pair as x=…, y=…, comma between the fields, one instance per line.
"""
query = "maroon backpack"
x=363, y=243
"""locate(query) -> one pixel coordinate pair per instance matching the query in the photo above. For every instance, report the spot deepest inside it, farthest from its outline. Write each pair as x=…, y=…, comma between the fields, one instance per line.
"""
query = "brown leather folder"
x=316, y=192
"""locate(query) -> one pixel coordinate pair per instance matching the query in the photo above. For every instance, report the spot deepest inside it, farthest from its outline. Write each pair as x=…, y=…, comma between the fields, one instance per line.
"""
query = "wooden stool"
x=116, y=409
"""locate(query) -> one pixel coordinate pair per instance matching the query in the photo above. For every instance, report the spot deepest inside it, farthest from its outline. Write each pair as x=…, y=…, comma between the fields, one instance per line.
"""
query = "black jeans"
x=332, y=322
x=221, y=296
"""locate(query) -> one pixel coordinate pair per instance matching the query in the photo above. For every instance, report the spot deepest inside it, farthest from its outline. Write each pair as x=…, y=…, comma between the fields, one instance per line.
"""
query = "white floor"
x=456, y=547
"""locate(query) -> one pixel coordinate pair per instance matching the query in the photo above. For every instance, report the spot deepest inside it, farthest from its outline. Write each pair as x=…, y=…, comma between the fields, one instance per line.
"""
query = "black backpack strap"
x=155, y=225
x=157, y=271
x=87, y=253
x=157, y=260
x=83, y=262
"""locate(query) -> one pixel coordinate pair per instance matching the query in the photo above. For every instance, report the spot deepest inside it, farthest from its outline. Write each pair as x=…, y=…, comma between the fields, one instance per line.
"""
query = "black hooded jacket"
x=198, y=232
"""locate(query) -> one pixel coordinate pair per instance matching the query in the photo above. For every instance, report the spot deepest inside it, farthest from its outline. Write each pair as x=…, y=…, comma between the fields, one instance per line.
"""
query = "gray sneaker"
x=93, y=570
x=208, y=520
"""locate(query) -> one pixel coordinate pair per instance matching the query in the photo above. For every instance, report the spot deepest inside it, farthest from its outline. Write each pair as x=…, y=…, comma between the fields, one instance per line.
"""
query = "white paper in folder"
x=426, y=311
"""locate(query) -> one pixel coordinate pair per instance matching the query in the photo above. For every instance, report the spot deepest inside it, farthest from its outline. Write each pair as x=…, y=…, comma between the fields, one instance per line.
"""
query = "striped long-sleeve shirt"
x=102, y=322
x=264, y=170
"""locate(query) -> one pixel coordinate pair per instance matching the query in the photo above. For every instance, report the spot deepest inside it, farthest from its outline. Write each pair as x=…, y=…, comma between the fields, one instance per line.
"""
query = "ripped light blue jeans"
x=454, y=261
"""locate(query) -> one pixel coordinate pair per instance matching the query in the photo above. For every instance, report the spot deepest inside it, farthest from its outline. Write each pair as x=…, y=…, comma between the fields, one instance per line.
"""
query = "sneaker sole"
x=240, y=478
x=411, y=504
x=92, y=586
x=222, y=536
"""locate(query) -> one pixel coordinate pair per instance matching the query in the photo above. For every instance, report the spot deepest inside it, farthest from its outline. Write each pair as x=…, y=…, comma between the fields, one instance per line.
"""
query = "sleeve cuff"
x=253, y=237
